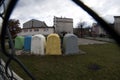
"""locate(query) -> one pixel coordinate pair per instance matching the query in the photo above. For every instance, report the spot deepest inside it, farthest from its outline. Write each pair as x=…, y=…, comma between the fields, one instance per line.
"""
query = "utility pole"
x=81, y=28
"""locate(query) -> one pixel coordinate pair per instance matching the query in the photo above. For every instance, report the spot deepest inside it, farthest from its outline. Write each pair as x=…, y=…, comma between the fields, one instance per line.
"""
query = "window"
x=46, y=29
x=30, y=30
x=36, y=29
x=25, y=30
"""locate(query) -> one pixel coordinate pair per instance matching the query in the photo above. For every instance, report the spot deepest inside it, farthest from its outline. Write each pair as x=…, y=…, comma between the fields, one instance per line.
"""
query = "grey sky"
x=45, y=10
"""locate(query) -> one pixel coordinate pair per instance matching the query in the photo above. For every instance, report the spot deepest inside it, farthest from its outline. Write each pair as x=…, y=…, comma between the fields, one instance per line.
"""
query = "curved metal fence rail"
x=115, y=35
x=5, y=72
x=11, y=75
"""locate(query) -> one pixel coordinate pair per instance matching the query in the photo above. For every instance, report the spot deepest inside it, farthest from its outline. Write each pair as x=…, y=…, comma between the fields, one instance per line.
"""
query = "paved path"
x=101, y=39
x=82, y=41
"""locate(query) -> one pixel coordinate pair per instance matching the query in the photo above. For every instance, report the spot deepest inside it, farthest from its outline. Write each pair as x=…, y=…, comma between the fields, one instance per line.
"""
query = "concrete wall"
x=101, y=30
x=97, y=29
x=117, y=23
x=63, y=25
x=33, y=31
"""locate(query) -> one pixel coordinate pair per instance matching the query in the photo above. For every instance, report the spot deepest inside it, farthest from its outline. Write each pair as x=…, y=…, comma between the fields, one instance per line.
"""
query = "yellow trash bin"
x=53, y=46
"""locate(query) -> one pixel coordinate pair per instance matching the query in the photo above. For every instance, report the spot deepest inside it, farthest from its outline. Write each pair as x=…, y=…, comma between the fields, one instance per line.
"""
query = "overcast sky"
x=45, y=10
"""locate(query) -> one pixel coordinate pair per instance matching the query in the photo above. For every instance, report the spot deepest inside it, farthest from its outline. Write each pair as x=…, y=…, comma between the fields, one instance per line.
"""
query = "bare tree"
x=81, y=24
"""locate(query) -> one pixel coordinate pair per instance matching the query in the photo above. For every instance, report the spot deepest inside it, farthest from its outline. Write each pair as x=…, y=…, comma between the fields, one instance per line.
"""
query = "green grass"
x=101, y=62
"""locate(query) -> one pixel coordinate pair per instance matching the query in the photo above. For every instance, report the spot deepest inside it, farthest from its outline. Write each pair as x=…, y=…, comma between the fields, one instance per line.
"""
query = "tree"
x=80, y=25
x=13, y=26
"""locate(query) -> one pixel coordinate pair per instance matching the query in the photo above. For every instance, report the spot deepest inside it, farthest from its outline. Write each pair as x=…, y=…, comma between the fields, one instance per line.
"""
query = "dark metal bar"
x=115, y=35
x=5, y=30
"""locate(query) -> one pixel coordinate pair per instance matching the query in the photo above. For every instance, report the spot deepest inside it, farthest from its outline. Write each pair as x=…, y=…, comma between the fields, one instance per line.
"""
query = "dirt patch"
x=94, y=66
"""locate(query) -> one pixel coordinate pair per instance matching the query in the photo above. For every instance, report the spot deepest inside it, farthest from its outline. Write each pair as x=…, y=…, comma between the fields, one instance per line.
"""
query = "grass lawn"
x=101, y=62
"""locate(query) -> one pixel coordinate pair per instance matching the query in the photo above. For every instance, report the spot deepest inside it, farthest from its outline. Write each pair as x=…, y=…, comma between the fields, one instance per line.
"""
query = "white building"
x=34, y=27
x=63, y=25
x=98, y=30
x=34, y=31
x=117, y=23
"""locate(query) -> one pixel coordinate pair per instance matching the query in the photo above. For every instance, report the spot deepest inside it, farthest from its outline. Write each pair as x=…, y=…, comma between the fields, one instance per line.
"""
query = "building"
x=117, y=23
x=33, y=27
x=63, y=25
x=97, y=30
x=82, y=32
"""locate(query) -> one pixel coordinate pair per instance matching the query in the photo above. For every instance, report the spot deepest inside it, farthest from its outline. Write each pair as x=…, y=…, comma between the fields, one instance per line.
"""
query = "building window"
x=46, y=29
x=25, y=30
x=30, y=30
x=36, y=29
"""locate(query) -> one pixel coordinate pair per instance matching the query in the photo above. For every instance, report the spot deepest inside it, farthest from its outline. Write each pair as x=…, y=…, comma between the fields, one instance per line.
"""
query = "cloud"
x=45, y=10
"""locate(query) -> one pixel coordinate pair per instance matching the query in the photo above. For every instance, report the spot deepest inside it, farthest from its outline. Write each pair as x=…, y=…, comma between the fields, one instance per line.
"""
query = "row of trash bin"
x=39, y=45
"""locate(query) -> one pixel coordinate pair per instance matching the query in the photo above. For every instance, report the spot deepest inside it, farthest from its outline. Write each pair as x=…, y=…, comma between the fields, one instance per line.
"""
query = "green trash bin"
x=19, y=42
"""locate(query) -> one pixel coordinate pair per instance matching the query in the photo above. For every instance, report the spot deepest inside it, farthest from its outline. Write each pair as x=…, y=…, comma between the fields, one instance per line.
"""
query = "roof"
x=116, y=16
x=39, y=28
x=61, y=19
x=34, y=23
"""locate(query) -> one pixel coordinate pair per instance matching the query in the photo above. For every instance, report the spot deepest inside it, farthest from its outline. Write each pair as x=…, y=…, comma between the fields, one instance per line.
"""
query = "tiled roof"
x=34, y=23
